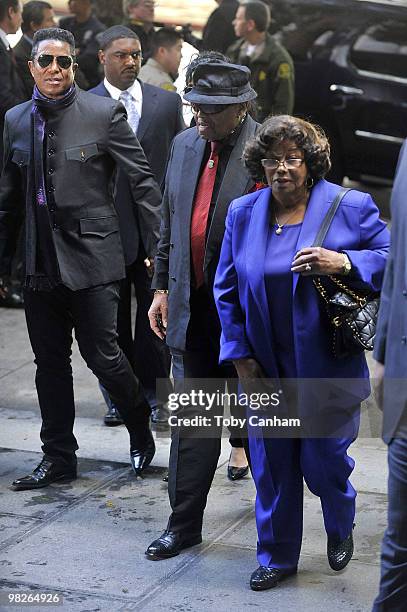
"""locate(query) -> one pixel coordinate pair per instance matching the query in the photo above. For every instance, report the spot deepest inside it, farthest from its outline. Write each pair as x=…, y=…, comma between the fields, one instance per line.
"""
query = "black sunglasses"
x=63, y=61
x=209, y=109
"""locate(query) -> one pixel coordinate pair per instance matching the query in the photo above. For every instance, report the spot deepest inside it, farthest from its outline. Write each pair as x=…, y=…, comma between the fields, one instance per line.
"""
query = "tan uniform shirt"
x=153, y=73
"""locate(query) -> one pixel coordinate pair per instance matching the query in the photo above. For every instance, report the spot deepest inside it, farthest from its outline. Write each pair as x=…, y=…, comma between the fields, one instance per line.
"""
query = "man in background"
x=11, y=86
x=85, y=28
x=155, y=117
x=218, y=33
x=36, y=16
x=139, y=16
x=272, y=69
x=161, y=69
x=12, y=92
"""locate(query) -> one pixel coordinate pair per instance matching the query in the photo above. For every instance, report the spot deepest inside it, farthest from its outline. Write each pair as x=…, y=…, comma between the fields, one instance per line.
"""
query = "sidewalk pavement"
x=86, y=539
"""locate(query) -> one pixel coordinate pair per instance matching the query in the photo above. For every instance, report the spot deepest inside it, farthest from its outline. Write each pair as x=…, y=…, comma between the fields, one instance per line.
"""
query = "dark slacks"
x=92, y=314
x=193, y=459
x=148, y=355
x=393, y=581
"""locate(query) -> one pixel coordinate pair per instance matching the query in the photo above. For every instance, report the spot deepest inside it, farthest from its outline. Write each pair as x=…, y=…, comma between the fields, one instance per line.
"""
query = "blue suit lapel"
x=318, y=206
x=256, y=257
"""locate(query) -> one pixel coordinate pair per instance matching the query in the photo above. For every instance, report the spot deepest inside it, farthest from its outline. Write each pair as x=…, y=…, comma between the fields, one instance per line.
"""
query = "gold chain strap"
x=360, y=300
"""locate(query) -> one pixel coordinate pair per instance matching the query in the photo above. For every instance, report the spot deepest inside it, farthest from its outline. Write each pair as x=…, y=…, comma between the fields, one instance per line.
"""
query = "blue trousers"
x=393, y=581
x=279, y=467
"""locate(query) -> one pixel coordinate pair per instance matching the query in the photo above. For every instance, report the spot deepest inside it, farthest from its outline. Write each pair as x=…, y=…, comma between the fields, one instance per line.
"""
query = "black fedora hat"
x=220, y=83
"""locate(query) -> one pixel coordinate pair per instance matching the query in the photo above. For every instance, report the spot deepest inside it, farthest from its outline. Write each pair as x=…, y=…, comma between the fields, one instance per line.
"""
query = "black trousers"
x=194, y=458
x=92, y=313
x=148, y=355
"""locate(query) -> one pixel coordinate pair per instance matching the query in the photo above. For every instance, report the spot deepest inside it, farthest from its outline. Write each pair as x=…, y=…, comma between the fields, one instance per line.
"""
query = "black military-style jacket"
x=83, y=145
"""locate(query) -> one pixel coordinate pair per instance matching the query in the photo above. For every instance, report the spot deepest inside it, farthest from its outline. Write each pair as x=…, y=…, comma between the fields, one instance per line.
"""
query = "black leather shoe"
x=169, y=544
x=264, y=578
x=12, y=299
x=159, y=417
x=141, y=457
x=340, y=553
x=45, y=474
x=237, y=473
x=112, y=418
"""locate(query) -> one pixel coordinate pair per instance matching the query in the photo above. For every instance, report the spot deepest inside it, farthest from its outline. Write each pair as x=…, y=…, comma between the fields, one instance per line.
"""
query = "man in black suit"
x=218, y=33
x=390, y=375
x=11, y=93
x=61, y=151
x=85, y=27
x=205, y=173
x=159, y=120
x=37, y=15
x=11, y=87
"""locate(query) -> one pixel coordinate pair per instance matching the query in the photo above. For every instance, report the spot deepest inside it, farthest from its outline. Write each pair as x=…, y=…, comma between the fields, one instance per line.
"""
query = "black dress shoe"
x=112, y=417
x=237, y=473
x=159, y=417
x=340, y=552
x=169, y=544
x=12, y=299
x=44, y=474
x=141, y=457
x=264, y=578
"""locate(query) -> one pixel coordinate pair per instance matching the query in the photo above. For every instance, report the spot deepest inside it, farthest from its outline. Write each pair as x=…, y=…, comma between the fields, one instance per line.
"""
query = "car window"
x=382, y=48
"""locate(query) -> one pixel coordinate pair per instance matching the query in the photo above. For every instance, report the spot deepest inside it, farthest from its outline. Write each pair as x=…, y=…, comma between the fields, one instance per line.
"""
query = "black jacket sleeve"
x=129, y=156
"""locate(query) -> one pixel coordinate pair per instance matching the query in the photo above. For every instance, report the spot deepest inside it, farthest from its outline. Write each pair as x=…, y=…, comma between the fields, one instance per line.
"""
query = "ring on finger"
x=308, y=267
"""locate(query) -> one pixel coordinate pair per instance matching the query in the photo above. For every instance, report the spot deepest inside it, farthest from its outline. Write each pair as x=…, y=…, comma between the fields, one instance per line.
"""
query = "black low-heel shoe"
x=237, y=473
x=264, y=578
x=169, y=544
x=43, y=475
x=340, y=552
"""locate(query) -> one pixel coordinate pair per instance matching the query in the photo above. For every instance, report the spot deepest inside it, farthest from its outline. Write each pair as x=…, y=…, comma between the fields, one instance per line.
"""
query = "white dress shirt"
x=134, y=90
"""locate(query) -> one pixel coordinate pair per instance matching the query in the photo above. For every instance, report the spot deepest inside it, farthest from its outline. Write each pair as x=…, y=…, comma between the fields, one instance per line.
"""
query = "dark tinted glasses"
x=209, y=109
x=63, y=61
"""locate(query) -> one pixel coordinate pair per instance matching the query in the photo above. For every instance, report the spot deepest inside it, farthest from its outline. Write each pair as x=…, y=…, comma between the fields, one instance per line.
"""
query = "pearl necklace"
x=280, y=226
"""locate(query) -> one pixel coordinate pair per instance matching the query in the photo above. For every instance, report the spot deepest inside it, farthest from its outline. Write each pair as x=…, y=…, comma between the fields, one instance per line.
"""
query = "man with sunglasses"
x=204, y=174
x=61, y=150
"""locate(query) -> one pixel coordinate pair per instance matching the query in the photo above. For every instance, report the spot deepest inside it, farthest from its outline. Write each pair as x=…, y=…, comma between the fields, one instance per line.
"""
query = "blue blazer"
x=240, y=291
x=391, y=338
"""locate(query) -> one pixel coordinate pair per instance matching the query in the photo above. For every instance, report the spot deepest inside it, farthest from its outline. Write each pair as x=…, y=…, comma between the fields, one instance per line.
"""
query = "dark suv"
x=351, y=77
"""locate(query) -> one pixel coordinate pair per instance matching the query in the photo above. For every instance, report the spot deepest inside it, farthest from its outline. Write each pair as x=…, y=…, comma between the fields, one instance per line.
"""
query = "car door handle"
x=346, y=90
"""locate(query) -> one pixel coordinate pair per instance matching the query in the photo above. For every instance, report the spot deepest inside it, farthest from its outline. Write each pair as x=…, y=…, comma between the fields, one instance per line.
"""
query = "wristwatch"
x=347, y=265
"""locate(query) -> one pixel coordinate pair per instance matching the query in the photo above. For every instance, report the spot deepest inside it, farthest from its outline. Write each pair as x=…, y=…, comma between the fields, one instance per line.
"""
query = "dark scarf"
x=42, y=268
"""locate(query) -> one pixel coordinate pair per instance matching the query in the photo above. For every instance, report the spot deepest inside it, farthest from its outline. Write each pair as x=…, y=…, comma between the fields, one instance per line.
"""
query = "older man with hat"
x=204, y=174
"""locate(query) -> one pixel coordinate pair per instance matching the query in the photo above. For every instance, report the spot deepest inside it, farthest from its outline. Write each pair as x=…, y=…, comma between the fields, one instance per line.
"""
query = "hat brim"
x=199, y=98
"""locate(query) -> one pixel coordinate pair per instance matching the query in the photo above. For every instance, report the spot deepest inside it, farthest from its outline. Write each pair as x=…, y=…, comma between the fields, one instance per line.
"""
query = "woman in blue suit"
x=274, y=325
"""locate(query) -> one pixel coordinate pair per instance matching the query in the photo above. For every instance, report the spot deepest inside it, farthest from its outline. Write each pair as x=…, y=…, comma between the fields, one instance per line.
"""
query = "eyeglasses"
x=290, y=163
x=120, y=55
x=209, y=109
x=63, y=61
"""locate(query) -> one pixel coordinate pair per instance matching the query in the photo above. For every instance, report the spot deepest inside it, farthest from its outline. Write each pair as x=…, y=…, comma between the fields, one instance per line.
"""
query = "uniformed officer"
x=270, y=64
x=161, y=69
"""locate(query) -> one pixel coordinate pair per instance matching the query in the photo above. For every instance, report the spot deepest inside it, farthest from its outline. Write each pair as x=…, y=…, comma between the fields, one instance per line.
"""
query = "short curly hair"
x=308, y=137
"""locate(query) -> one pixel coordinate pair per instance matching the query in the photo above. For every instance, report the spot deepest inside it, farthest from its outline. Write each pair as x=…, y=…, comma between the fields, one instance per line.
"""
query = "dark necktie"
x=199, y=221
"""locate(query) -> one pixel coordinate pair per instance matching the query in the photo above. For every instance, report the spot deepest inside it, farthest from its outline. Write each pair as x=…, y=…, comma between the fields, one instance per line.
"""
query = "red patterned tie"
x=199, y=221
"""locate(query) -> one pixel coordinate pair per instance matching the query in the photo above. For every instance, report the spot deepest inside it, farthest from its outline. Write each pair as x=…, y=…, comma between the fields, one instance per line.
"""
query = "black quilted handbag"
x=353, y=318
